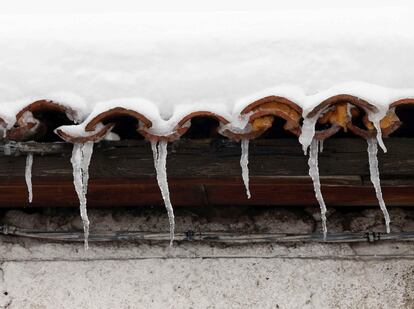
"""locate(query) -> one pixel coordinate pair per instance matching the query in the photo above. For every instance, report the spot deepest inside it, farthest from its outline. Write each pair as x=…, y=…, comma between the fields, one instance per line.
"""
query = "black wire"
x=218, y=237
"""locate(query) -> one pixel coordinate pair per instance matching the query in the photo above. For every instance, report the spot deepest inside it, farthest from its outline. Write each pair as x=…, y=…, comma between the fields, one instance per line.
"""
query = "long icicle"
x=159, y=150
x=375, y=178
x=244, y=163
x=314, y=174
x=81, y=156
x=28, y=176
x=87, y=151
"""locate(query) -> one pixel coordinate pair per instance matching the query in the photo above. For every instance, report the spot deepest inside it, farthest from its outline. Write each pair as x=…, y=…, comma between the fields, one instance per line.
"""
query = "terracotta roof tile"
x=340, y=112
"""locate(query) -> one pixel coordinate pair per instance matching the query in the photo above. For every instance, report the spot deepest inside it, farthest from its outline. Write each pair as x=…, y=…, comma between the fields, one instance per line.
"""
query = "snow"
x=81, y=157
x=94, y=6
x=159, y=151
x=166, y=65
x=28, y=176
x=244, y=163
x=314, y=173
x=375, y=179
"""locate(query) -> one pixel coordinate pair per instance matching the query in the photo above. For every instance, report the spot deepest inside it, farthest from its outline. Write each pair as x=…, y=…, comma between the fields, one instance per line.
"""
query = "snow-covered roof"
x=164, y=68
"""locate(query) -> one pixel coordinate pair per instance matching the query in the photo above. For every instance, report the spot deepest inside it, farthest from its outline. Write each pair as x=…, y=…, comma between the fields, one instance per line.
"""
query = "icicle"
x=314, y=173
x=159, y=152
x=375, y=118
x=379, y=135
x=154, y=152
x=87, y=151
x=308, y=131
x=244, y=163
x=375, y=178
x=81, y=157
x=321, y=145
x=28, y=175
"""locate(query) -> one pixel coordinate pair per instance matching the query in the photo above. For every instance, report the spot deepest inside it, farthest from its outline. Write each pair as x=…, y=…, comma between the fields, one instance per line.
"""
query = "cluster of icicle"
x=81, y=158
x=82, y=154
x=308, y=141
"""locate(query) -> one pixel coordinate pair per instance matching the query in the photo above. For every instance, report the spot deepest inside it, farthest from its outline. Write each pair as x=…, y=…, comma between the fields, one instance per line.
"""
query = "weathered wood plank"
x=303, y=194
x=220, y=158
x=203, y=172
x=199, y=192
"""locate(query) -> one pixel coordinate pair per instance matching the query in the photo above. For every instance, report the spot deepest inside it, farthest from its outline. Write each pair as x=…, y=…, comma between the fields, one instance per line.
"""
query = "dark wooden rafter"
x=207, y=172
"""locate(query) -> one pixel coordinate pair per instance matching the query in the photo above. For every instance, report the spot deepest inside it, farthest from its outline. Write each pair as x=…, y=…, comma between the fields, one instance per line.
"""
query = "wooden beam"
x=198, y=192
x=207, y=172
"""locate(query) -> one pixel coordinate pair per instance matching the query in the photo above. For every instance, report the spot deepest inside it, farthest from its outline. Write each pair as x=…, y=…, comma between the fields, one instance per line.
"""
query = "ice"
x=28, y=175
x=87, y=151
x=379, y=135
x=307, y=139
x=244, y=163
x=159, y=151
x=308, y=131
x=81, y=158
x=375, y=178
x=314, y=173
x=111, y=136
x=321, y=145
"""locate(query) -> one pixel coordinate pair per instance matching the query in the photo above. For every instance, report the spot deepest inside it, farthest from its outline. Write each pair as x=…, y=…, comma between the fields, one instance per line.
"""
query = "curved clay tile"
x=335, y=112
x=110, y=115
x=391, y=122
x=96, y=136
x=28, y=127
x=388, y=124
x=48, y=105
x=402, y=102
x=153, y=137
x=261, y=115
x=103, y=123
x=26, y=132
x=219, y=118
x=182, y=126
x=145, y=124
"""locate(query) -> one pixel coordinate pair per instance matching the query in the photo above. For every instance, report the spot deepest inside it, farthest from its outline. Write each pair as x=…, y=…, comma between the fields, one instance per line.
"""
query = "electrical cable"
x=210, y=237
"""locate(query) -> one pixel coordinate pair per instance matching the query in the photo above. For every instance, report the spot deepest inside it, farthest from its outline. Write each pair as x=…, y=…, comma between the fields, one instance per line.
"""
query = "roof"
x=42, y=120
x=160, y=70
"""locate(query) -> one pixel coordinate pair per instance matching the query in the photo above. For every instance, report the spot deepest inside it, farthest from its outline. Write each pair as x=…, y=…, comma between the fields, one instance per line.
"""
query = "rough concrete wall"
x=209, y=283
x=40, y=274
